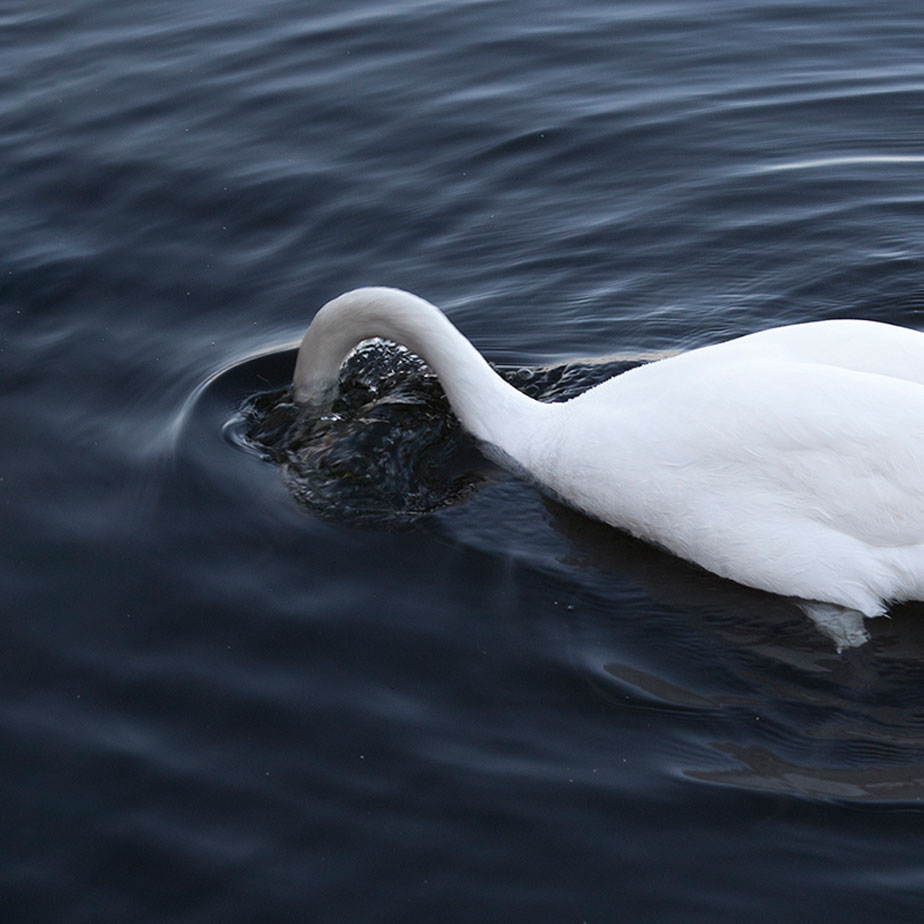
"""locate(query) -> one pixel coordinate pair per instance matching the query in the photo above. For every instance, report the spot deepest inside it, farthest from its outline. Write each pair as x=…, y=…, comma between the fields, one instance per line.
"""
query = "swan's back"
x=860, y=346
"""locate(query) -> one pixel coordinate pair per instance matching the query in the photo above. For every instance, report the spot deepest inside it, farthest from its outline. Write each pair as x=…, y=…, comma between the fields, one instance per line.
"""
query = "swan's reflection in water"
x=764, y=770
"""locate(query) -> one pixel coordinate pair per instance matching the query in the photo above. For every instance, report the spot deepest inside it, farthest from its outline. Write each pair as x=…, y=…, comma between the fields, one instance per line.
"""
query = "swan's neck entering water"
x=489, y=408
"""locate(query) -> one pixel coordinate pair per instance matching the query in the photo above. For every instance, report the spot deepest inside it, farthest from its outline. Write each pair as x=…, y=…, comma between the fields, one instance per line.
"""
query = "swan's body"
x=790, y=460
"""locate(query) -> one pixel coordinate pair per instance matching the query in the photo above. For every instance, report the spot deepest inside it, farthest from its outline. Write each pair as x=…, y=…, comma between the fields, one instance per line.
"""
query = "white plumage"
x=790, y=460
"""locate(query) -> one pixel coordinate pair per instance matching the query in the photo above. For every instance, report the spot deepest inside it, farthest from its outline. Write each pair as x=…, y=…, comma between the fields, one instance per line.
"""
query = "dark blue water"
x=220, y=704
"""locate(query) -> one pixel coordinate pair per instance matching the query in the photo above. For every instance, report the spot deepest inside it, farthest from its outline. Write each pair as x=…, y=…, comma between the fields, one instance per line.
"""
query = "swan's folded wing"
x=854, y=345
x=841, y=448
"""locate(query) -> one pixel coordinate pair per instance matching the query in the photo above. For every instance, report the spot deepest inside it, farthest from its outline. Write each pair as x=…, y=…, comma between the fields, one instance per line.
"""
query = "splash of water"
x=390, y=450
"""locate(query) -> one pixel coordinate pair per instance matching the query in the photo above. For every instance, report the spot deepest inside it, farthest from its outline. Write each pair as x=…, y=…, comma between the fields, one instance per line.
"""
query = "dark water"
x=219, y=705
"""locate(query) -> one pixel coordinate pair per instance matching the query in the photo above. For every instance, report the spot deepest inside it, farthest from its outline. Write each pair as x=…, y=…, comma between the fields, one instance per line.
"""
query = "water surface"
x=220, y=704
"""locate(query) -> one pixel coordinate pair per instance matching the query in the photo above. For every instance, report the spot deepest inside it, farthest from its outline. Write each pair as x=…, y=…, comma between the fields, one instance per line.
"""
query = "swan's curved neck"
x=489, y=408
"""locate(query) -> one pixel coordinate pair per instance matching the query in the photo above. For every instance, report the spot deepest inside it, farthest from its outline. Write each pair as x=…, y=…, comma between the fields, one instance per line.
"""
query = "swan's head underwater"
x=790, y=460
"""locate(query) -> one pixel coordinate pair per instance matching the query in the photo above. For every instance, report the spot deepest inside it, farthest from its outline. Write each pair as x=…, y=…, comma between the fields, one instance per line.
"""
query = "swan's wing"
x=841, y=448
x=858, y=346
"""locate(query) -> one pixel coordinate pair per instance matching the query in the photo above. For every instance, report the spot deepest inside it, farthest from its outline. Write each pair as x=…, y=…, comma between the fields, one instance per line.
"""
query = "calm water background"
x=217, y=706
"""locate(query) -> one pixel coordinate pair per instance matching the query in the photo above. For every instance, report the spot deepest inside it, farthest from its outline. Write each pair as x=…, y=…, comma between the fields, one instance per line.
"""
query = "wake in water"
x=391, y=450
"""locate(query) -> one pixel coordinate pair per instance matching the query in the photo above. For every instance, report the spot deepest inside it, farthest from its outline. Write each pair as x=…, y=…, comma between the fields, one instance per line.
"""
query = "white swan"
x=790, y=460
